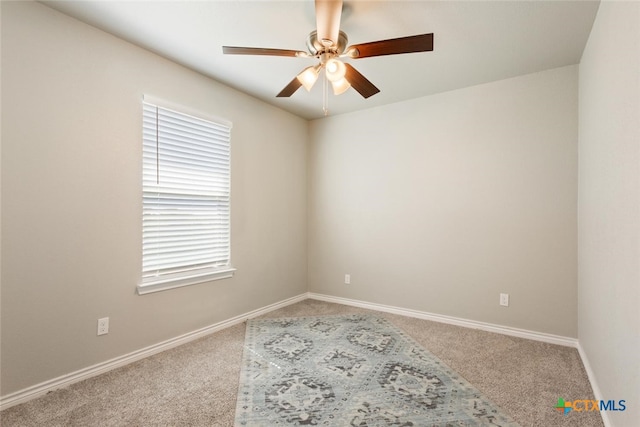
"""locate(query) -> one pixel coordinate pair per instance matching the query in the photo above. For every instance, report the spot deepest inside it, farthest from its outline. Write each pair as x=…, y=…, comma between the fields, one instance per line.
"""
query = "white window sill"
x=166, y=283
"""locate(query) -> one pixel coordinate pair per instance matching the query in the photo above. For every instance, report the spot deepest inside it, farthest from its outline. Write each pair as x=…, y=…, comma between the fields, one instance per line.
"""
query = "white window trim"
x=169, y=282
x=186, y=110
x=152, y=284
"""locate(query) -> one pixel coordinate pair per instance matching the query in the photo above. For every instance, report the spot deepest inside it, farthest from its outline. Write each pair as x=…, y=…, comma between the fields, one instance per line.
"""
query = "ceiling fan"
x=327, y=44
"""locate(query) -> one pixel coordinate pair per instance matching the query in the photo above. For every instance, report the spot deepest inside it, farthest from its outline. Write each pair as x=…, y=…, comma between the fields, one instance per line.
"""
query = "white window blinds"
x=186, y=195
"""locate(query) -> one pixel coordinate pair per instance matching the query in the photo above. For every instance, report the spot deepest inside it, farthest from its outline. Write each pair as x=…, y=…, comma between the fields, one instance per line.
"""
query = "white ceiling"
x=474, y=42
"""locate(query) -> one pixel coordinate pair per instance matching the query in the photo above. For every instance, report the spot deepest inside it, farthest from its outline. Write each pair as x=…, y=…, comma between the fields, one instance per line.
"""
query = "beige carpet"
x=196, y=384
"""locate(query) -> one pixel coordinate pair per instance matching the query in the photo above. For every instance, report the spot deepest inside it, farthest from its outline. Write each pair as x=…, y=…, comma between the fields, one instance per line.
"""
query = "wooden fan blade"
x=290, y=89
x=410, y=44
x=328, y=21
x=360, y=82
x=237, y=50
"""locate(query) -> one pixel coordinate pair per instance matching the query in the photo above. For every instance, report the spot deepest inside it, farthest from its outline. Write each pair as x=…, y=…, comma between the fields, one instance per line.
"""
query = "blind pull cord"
x=157, y=149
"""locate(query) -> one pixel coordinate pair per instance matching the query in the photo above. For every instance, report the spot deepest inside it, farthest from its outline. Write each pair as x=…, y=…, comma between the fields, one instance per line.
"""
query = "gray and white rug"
x=356, y=370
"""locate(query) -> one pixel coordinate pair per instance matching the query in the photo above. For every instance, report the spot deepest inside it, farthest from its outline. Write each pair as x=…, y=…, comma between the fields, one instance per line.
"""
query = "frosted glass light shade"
x=335, y=69
x=340, y=86
x=308, y=77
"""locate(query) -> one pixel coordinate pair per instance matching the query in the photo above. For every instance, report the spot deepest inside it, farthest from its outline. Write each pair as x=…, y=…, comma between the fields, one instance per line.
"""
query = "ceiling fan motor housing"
x=316, y=47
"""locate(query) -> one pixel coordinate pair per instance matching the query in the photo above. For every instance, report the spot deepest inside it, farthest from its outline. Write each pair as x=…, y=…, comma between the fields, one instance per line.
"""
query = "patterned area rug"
x=356, y=370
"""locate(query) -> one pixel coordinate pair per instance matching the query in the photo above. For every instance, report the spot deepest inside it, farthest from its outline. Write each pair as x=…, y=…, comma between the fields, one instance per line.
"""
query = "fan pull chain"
x=325, y=95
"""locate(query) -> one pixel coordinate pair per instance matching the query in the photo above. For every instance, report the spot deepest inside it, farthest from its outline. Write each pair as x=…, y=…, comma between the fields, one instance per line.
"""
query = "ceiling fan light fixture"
x=308, y=77
x=327, y=43
x=340, y=86
x=335, y=69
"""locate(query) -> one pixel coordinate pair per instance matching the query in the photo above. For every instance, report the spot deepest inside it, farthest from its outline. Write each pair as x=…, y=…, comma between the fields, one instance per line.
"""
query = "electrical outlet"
x=504, y=300
x=103, y=326
x=347, y=279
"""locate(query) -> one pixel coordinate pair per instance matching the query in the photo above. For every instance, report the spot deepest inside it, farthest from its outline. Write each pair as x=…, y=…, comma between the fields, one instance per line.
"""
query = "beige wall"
x=609, y=206
x=441, y=203
x=71, y=212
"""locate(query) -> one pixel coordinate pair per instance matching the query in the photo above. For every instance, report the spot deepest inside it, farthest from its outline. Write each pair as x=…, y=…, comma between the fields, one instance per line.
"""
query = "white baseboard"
x=594, y=384
x=505, y=330
x=43, y=388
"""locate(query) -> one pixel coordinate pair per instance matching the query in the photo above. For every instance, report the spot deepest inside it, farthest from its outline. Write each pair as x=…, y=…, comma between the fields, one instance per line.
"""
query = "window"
x=186, y=199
